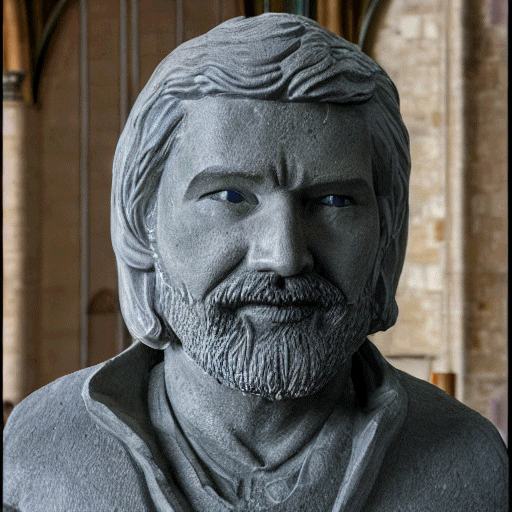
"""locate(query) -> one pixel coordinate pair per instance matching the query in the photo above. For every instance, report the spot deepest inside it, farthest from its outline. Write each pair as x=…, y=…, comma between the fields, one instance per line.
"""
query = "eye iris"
x=336, y=201
x=232, y=196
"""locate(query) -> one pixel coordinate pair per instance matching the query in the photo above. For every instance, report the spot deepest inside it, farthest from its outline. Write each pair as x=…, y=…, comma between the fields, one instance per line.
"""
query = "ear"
x=136, y=294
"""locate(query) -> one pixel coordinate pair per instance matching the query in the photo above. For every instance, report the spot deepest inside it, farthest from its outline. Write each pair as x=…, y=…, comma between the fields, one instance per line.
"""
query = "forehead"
x=307, y=140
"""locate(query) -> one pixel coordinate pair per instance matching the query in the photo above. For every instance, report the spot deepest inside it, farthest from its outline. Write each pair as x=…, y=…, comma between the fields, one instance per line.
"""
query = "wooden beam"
x=329, y=15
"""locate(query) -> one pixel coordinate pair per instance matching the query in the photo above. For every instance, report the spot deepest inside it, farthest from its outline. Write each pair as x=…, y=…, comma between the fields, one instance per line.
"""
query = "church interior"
x=71, y=72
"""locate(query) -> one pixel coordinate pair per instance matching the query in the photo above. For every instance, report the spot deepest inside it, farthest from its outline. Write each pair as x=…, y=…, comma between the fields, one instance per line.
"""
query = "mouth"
x=278, y=314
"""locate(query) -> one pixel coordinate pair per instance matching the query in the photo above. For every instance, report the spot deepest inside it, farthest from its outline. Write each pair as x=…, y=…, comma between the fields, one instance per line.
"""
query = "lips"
x=283, y=313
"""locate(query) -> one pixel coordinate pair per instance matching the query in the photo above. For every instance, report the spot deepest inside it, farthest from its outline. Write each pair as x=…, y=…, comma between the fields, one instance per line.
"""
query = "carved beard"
x=292, y=355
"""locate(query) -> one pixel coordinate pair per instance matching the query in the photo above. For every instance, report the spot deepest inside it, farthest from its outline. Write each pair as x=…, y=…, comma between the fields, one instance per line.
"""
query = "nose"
x=278, y=242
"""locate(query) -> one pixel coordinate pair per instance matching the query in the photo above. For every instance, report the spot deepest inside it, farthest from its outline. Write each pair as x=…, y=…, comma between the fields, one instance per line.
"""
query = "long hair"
x=273, y=57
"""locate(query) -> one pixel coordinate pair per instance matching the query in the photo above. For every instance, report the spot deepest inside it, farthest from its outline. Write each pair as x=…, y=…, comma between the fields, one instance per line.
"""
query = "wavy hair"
x=273, y=57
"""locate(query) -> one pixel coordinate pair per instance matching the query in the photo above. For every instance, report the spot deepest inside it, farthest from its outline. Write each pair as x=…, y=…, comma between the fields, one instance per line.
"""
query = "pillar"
x=21, y=241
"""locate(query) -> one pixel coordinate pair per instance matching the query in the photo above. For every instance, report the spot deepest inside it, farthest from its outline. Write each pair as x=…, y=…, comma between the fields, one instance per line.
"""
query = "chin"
x=276, y=353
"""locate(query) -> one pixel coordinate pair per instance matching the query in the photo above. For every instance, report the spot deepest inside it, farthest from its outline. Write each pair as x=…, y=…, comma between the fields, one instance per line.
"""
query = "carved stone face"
x=257, y=188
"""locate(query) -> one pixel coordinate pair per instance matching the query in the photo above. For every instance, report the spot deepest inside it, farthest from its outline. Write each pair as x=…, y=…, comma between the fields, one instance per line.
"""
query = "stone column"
x=21, y=242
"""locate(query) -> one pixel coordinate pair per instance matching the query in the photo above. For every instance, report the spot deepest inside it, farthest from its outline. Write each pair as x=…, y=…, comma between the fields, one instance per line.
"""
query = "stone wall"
x=21, y=249
x=448, y=60
x=486, y=79
x=410, y=44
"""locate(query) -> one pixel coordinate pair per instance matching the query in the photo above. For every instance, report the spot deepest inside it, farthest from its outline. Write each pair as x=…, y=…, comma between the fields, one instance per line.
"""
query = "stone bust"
x=259, y=219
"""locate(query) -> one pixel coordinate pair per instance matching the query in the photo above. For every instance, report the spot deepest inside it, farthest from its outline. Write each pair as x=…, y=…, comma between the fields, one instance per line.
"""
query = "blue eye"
x=336, y=201
x=231, y=196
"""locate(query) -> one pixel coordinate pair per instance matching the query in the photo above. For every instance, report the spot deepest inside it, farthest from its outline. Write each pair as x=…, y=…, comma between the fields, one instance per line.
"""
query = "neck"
x=257, y=431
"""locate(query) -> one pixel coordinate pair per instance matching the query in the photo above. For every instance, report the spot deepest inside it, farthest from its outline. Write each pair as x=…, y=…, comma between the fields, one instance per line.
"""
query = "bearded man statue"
x=259, y=220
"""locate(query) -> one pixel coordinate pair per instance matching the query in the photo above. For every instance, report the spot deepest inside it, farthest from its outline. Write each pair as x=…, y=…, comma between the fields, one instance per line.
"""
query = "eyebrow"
x=221, y=176
x=351, y=184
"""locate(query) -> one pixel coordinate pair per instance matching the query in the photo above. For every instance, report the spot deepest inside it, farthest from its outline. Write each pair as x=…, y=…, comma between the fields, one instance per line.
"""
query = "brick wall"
x=485, y=66
x=409, y=44
x=21, y=248
x=450, y=67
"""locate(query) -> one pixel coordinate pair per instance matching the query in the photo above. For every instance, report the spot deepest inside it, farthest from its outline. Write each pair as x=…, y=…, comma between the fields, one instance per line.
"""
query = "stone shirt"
x=87, y=443
x=294, y=485
x=215, y=480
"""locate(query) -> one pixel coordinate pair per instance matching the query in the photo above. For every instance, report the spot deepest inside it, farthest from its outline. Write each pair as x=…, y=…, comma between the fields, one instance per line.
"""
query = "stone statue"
x=259, y=219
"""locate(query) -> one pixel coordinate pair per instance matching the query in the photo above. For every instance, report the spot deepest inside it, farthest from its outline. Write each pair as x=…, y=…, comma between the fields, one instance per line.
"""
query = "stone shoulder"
x=55, y=457
x=446, y=454
x=438, y=415
x=52, y=408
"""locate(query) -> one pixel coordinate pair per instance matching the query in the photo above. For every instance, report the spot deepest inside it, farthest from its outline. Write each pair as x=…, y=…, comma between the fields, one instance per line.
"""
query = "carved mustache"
x=268, y=288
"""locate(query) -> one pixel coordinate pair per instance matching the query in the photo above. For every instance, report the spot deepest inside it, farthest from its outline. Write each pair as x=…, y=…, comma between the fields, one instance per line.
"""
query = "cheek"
x=348, y=259
x=197, y=253
x=360, y=268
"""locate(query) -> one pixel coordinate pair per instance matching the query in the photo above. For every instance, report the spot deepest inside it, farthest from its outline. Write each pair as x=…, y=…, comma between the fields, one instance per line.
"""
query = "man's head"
x=304, y=84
